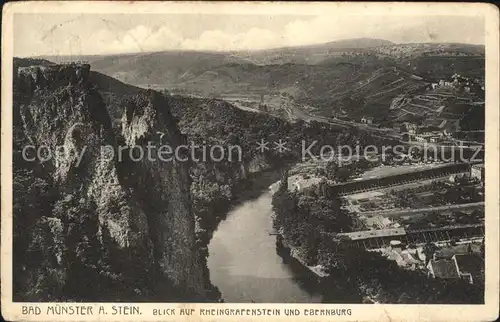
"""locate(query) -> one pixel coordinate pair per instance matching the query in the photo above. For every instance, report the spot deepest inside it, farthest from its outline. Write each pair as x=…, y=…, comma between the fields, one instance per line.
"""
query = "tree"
x=331, y=170
x=429, y=250
x=343, y=174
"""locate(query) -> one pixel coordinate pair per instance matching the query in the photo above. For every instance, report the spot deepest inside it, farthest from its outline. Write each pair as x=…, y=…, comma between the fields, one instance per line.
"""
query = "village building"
x=428, y=137
x=405, y=258
x=477, y=171
x=461, y=261
x=442, y=268
x=460, y=249
x=443, y=83
x=408, y=131
x=367, y=120
x=446, y=128
x=378, y=222
x=464, y=266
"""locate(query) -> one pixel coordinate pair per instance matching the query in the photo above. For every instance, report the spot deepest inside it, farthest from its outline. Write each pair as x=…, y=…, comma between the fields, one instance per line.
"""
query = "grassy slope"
x=361, y=77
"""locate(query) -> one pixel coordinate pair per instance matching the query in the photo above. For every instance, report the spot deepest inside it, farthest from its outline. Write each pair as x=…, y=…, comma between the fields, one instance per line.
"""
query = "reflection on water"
x=244, y=264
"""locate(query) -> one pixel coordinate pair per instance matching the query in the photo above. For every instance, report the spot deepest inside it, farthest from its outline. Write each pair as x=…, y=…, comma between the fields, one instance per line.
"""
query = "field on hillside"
x=350, y=78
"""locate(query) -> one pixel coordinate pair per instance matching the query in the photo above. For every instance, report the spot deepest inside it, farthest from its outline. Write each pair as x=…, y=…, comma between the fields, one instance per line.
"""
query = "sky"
x=92, y=34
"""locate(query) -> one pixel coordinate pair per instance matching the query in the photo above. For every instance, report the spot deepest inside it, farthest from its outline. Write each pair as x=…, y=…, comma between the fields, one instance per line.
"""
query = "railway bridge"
x=374, y=239
x=359, y=186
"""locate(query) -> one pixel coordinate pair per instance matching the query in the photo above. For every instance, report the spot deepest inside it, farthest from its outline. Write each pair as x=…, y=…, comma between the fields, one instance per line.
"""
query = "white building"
x=367, y=120
x=477, y=171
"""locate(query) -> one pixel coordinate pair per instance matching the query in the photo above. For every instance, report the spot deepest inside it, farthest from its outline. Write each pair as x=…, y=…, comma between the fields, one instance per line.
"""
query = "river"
x=243, y=261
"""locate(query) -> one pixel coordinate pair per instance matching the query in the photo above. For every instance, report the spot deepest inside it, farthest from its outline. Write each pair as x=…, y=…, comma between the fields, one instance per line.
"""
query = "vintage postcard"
x=250, y=161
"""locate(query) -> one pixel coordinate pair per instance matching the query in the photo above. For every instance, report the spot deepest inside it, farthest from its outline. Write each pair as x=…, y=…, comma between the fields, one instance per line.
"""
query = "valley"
x=347, y=81
x=362, y=92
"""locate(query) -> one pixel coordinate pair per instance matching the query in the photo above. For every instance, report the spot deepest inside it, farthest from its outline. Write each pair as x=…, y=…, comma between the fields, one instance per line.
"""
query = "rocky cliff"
x=89, y=225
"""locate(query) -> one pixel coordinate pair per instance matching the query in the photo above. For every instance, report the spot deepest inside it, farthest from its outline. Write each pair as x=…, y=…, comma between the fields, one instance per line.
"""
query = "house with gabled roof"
x=442, y=268
x=367, y=120
x=469, y=267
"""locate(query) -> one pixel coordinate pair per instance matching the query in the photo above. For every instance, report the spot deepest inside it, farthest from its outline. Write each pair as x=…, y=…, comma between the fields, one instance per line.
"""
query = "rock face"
x=94, y=222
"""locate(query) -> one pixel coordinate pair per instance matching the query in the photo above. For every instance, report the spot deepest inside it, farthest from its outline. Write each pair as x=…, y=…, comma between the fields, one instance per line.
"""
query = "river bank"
x=243, y=259
x=289, y=252
x=214, y=211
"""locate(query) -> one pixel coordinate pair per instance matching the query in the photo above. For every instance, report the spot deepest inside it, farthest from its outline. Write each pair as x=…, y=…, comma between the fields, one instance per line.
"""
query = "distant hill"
x=174, y=66
x=155, y=67
x=353, y=77
x=310, y=54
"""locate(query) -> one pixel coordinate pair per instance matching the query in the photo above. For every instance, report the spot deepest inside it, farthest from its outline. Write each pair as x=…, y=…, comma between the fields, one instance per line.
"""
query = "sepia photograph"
x=318, y=155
